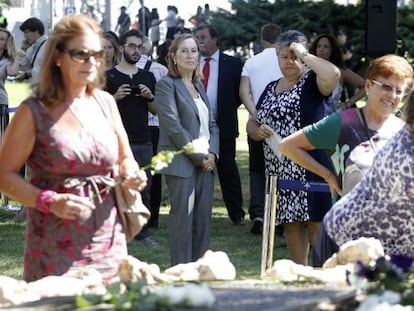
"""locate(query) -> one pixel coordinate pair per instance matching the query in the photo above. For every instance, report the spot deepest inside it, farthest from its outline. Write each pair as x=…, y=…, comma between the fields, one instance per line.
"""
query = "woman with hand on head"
x=325, y=46
x=71, y=135
x=185, y=115
x=287, y=105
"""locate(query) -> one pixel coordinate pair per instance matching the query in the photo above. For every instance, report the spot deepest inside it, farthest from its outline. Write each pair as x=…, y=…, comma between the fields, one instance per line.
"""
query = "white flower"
x=387, y=301
x=158, y=165
x=189, y=295
x=199, y=146
x=163, y=158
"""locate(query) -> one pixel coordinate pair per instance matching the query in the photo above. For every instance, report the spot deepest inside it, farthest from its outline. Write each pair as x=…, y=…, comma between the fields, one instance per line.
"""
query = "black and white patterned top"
x=287, y=112
x=381, y=205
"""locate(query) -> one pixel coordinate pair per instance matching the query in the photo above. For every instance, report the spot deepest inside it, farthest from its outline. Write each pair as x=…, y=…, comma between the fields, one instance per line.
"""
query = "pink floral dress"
x=54, y=246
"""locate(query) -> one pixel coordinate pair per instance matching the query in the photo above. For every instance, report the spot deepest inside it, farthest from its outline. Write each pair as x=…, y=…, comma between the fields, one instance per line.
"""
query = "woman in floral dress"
x=70, y=134
x=286, y=105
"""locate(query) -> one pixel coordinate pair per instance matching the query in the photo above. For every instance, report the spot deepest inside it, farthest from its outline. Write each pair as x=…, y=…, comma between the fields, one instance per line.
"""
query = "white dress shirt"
x=212, y=80
x=159, y=71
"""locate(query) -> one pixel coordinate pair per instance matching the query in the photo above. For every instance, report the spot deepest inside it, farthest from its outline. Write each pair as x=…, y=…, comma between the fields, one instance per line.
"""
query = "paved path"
x=249, y=296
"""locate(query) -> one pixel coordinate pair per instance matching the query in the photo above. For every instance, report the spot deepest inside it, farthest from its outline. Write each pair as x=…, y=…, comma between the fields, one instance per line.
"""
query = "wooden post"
x=4, y=120
x=268, y=235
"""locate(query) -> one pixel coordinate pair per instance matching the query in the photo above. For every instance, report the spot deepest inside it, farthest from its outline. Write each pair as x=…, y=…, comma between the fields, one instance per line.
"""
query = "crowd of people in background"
x=171, y=89
x=148, y=22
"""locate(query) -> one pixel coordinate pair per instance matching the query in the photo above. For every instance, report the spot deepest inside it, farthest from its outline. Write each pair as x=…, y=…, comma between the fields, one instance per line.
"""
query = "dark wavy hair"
x=33, y=24
x=211, y=29
x=130, y=33
x=336, y=53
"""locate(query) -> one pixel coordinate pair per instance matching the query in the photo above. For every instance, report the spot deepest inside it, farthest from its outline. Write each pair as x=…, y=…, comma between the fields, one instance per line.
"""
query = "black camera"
x=135, y=90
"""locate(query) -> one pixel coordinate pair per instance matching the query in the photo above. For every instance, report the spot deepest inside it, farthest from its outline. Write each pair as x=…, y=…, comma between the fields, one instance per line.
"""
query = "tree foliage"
x=239, y=28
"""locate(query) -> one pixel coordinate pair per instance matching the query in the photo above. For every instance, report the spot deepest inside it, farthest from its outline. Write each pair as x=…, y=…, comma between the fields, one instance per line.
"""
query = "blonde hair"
x=111, y=37
x=172, y=67
x=51, y=88
x=10, y=49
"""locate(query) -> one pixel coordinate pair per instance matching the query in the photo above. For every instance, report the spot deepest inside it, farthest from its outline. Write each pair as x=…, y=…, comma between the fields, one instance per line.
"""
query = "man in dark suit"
x=222, y=80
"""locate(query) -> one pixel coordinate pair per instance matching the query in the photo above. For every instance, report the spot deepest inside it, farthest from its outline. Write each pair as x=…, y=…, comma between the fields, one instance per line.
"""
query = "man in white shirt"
x=159, y=71
x=258, y=71
x=33, y=46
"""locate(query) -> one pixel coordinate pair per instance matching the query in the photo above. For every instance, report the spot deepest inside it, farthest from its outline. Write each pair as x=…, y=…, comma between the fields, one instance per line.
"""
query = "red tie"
x=206, y=72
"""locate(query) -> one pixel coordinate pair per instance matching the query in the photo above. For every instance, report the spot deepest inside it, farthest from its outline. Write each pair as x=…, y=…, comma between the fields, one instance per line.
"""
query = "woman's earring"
x=58, y=64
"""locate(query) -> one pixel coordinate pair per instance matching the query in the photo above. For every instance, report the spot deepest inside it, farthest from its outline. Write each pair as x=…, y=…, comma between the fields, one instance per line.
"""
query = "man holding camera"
x=133, y=90
x=33, y=47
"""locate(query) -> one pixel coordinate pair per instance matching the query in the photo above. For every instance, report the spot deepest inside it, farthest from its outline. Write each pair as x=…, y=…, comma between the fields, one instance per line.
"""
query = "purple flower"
x=403, y=262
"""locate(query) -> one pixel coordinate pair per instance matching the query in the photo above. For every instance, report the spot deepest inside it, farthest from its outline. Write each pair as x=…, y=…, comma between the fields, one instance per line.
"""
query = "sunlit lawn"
x=243, y=248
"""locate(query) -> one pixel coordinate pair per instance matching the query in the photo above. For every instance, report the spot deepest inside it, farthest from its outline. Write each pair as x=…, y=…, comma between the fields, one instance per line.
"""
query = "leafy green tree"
x=405, y=25
x=239, y=28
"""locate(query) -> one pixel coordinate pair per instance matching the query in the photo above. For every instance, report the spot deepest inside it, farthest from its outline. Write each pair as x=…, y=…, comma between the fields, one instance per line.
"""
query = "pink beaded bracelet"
x=44, y=200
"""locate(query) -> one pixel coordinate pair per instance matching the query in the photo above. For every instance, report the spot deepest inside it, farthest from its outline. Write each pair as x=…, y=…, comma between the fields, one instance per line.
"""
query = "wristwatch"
x=304, y=54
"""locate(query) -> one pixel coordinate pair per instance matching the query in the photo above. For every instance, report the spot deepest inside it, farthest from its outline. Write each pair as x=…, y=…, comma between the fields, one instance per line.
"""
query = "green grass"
x=242, y=247
x=17, y=91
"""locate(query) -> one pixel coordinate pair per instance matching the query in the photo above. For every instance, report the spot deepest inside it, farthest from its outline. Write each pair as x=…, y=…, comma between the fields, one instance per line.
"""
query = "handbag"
x=360, y=159
x=133, y=213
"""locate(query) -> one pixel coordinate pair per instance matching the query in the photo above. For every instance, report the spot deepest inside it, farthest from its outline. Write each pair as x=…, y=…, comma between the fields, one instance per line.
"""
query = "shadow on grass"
x=11, y=245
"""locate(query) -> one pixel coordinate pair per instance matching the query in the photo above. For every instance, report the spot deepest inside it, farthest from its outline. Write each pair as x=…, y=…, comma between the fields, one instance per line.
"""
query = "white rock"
x=288, y=271
x=212, y=266
x=92, y=279
x=13, y=292
x=215, y=266
x=56, y=286
x=364, y=249
x=184, y=271
x=132, y=269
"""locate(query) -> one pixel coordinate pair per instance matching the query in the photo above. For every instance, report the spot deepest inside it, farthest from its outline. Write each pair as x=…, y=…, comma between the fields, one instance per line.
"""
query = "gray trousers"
x=189, y=229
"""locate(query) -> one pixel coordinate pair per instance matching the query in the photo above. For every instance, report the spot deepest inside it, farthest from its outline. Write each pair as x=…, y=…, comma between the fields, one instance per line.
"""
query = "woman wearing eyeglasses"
x=71, y=135
x=352, y=137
